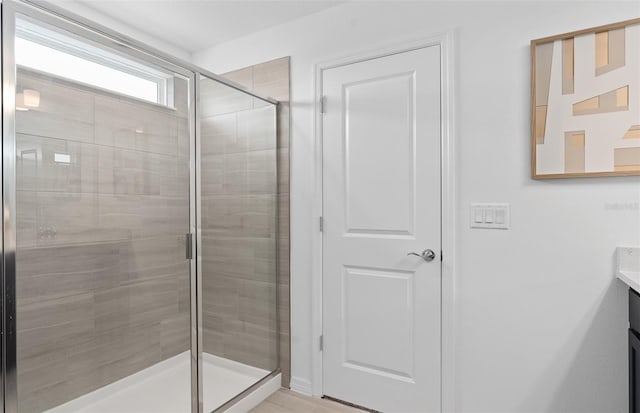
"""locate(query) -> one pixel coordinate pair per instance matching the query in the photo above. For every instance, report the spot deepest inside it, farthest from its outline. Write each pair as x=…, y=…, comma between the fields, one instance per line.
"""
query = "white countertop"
x=628, y=266
x=631, y=278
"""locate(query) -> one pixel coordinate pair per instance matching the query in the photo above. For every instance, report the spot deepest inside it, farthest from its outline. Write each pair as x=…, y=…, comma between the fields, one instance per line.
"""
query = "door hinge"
x=441, y=256
x=323, y=104
x=321, y=224
x=189, y=246
x=321, y=343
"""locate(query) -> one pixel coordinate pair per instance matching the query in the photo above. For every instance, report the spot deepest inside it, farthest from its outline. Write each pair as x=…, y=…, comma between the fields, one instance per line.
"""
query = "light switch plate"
x=494, y=216
x=628, y=259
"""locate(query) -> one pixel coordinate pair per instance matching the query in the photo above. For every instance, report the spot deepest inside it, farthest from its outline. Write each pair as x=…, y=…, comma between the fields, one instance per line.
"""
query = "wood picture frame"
x=585, y=103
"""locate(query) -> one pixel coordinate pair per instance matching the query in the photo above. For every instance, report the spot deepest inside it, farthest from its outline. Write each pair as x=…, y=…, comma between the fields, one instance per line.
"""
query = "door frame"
x=448, y=207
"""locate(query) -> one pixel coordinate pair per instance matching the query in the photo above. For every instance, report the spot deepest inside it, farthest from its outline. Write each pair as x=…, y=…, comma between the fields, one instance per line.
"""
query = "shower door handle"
x=189, y=246
x=427, y=255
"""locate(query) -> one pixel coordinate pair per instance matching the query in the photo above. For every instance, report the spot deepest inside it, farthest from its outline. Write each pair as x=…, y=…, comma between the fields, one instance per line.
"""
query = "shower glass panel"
x=238, y=251
x=103, y=205
x=110, y=184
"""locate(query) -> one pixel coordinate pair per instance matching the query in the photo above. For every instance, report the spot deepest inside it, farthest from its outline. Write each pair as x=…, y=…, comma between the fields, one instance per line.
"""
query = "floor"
x=286, y=401
x=165, y=388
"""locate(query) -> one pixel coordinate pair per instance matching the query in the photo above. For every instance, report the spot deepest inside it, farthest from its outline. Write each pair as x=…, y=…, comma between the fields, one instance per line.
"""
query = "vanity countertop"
x=631, y=278
x=628, y=266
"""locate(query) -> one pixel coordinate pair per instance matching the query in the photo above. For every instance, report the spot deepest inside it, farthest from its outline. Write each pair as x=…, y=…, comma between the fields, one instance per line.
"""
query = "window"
x=64, y=56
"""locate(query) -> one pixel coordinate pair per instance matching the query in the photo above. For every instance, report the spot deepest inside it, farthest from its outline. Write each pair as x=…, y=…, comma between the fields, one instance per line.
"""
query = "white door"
x=381, y=191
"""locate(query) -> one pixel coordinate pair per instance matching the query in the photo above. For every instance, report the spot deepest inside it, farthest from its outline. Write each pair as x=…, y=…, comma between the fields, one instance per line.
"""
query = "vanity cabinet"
x=634, y=351
x=634, y=368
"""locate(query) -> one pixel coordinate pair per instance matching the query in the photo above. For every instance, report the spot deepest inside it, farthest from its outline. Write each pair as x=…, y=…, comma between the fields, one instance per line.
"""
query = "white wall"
x=541, y=323
x=137, y=33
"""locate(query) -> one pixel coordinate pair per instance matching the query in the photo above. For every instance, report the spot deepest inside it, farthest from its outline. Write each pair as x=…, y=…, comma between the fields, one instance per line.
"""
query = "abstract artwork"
x=585, y=97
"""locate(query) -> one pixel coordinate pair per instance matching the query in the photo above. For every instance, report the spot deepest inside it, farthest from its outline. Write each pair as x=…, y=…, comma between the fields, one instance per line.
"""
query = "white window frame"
x=80, y=48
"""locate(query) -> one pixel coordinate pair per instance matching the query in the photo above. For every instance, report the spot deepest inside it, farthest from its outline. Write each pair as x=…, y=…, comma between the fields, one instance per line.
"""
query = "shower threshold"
x=165, y=387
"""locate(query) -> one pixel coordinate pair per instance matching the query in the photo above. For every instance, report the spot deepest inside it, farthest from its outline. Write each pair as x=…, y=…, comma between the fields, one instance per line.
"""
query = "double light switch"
x=490, y=216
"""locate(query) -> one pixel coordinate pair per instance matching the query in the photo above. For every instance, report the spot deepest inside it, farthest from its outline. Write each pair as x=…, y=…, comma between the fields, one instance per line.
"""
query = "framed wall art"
x=585, y=102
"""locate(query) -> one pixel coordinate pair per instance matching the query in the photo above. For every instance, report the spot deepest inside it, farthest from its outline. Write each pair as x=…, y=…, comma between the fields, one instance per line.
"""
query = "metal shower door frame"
x=57, y=17
x=10, y=10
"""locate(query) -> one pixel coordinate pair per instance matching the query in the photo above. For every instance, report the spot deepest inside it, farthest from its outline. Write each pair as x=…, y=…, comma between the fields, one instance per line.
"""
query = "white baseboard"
x=301, y=386
x=257, y=396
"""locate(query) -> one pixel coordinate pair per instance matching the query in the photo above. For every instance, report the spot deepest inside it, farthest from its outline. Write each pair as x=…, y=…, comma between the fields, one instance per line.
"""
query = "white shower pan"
x=165, y=388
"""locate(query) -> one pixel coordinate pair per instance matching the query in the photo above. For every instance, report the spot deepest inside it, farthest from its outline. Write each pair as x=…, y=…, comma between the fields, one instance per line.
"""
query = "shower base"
x=165, y=387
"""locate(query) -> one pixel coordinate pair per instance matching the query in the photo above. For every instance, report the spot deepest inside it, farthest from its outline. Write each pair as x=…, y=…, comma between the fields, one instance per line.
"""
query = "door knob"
x=427, y=255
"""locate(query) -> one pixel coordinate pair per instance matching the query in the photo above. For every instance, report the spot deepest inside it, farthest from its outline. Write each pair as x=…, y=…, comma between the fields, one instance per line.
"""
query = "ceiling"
x=193, y=25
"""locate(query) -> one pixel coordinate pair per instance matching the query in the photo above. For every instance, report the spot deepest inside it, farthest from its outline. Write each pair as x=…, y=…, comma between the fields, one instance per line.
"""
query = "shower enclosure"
x=139, y=227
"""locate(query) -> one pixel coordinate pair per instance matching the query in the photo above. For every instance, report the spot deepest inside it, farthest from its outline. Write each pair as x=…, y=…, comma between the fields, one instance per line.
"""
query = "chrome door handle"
x=427, y=255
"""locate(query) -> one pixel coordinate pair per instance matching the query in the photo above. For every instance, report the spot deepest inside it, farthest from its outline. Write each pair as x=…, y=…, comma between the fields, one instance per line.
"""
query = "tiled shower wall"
x=102, y=280
x=233, y=329
x=272, y=79
x=238, y=151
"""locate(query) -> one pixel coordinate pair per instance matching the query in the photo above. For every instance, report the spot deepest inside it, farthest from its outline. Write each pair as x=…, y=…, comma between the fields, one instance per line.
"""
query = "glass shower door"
x=238, y=240
x=104, y=307
x=101, y=178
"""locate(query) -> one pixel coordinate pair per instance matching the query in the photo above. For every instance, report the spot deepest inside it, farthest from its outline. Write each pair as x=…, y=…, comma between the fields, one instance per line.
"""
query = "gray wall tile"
x=102, y=282
x=240, y=153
